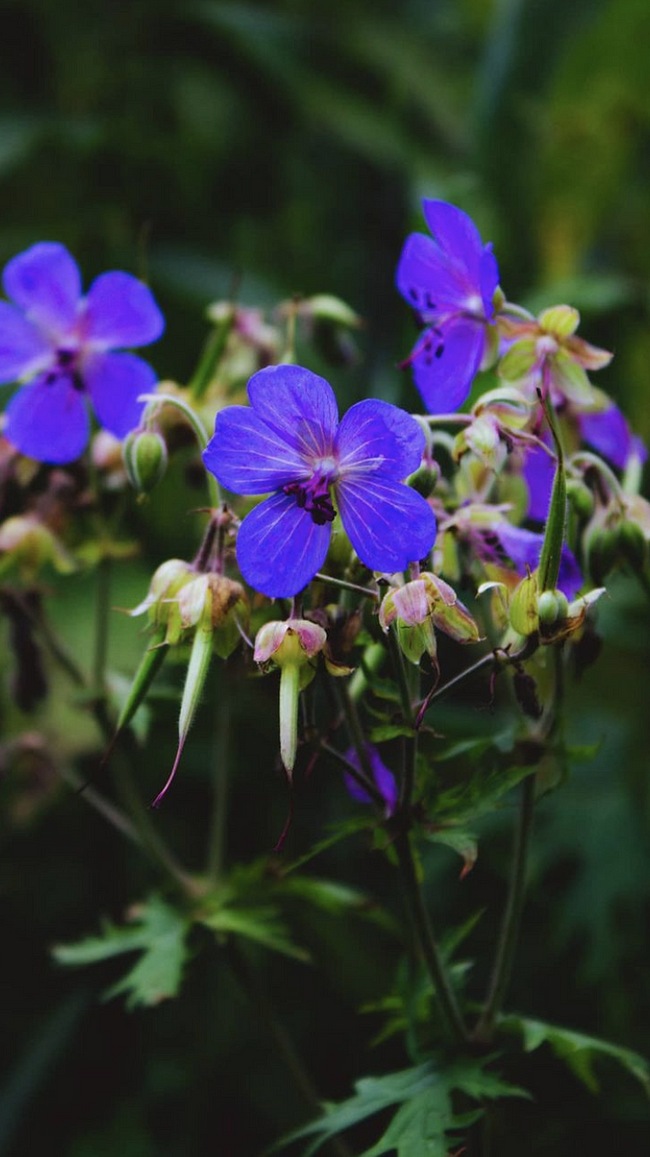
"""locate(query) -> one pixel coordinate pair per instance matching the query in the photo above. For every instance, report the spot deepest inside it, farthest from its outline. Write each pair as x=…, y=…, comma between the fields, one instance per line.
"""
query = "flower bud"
x=601, y=549
x=292, y=646
x=424, y=479
x=28, y=545
x=632, y=545
x=145, y=459
x=420, y=606
x=552, y=608
x=524, y=616
x=580, y=498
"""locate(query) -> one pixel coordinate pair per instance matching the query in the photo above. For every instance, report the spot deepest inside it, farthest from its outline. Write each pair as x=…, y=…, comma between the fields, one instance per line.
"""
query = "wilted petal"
x=121, y=311
x=115, y=382
x=298, y=405
x=250, y=457
x=444, y=372
x=411, y=602
x=48, y=421
x=571, y=380
x=388, y=524
x=428, y=279
x=45, y=282
x=280, y=547
x=609, y=434
x=374, y=435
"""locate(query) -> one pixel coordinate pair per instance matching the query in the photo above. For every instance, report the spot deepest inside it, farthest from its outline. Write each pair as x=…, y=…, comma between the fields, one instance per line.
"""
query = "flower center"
x=65, y=365
x=314, y=493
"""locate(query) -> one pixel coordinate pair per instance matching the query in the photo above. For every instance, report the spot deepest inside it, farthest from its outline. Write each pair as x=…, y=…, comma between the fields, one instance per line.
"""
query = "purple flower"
x=522, y=548
x=289, y=441
x=450, y=281
x=608, y=432
x=384, y=779
x=62, y=344
x=538, y=473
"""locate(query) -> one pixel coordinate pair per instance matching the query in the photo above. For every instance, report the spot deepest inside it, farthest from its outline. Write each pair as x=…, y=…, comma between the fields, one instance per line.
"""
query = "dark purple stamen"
x=314, y=496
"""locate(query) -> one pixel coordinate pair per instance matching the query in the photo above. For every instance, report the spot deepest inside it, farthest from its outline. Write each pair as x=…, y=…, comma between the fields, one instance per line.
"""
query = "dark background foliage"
x=285, y=146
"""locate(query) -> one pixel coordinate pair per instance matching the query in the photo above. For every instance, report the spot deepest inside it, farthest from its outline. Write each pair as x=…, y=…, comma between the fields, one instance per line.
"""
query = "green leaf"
x=387, y=731
x=159, y=934
x=261, y=924
x=421, y=1125
x=577, y=1050
x=467, y=801
x=459, y=840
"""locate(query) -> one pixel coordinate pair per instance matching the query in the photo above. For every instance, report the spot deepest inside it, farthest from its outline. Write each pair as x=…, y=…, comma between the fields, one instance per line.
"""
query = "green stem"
x=346, y=586
x=509, y=933
x=215, y=348
x=218, y=827
x=372, y=660
x=355, y=730
x=425, y=936
x=102, y=608
x=551, y=553
x=156, y=401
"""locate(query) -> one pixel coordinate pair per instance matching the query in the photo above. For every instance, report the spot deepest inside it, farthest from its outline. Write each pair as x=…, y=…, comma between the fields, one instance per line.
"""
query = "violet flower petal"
x=524, y=547
x=444, y=381
x=45, y=282
x=24, y=349
x=609, y=434
x=280, y=547
x=121, y=311
x=250, y=457
x=455, y=233
x=488, y=280
x=538, y=473
x=383, y=777
x=48, y=421
x=388, y=524
x=299, y=405
x=115, y=382
x=428, y=279
x=374, y=435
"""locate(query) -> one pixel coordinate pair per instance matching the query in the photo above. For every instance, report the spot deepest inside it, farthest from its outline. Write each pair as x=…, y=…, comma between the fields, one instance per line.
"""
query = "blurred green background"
x=286, y=146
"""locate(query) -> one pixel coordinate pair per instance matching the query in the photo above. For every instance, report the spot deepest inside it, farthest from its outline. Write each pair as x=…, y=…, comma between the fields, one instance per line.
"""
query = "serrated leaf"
x=425, y=1115
x=459, y=840
x=578, y=1050
x=480, y=794
x=159, y=935
x=261, y=924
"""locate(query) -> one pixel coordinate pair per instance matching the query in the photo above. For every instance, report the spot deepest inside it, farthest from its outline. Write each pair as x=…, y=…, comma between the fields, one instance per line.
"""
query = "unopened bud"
x=145, y=459
x=580, y=498
x=632, y=545
x=552, y=607
x=602, y=549
x=424, y=479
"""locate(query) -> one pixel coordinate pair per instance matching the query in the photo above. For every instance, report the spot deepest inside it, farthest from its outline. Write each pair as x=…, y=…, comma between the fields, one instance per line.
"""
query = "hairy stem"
x=509, y=933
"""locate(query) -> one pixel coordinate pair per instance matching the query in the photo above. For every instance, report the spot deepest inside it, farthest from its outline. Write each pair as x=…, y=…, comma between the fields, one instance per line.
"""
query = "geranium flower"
x=450, y=281
x=62, y=344
x=289, y=441
x=384, y=779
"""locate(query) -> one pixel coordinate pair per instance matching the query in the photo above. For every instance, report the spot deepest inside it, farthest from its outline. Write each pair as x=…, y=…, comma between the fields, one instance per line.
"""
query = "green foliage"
x=159, y=934
x=423, y=1123
x=578, y=1051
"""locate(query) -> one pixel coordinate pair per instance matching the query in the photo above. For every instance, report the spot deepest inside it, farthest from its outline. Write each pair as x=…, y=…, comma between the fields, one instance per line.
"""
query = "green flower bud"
x=580, y=498
x=552, y=608
x=524, y=616
x=601, y=550
x=27, y=546
x=632, y=545
x=145, y=459
x=424, y=479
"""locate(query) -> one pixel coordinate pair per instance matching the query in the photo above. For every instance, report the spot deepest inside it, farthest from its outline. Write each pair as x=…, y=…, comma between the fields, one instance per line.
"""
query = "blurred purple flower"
x=62, y=344
x=289, y=441
x=450, y=281
x=609, y=433
x=384, y=779
x=506, y=544
x=538, y=473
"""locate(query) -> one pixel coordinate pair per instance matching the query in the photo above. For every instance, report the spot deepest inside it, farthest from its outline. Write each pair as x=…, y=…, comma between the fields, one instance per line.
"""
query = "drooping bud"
x=292, y=646
x=424, y=479
x=632, y=545
x=420, y=606
x=145, y=459
x=27, y=545
x=601, y=548
x=580, y=498
x=161, y=603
